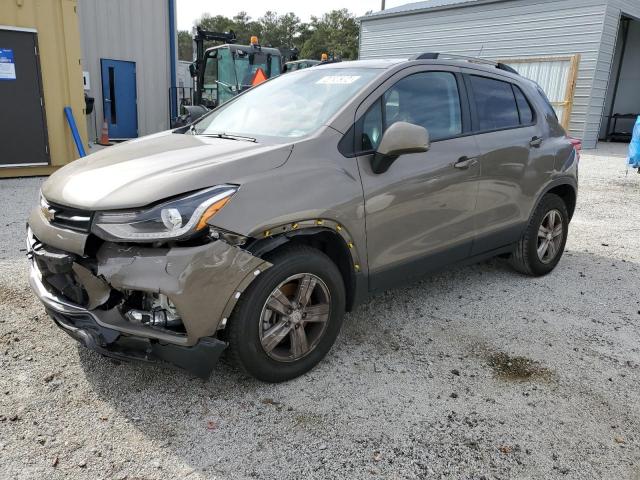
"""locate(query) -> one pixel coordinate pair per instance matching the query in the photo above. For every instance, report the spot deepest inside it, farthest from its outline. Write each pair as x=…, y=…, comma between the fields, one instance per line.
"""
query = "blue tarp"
x=634, y=146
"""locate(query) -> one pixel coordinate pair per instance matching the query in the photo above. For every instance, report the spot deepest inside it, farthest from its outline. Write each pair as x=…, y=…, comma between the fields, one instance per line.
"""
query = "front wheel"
x=542, y=244
x=289, y=317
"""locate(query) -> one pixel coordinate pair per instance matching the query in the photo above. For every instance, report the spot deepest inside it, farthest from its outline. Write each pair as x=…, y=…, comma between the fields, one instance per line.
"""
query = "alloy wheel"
x=550, y=236
x=294, y=317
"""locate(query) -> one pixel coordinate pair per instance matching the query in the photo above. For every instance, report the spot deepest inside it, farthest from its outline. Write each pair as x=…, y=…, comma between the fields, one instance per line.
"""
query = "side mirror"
x=193, y=69
x=399, y=139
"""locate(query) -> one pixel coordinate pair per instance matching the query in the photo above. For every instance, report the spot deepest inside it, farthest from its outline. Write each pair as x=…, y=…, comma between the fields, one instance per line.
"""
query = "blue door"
x=119, y=99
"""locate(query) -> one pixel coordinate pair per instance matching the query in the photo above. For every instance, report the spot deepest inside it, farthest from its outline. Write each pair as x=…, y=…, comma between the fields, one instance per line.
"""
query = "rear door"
x=23, y=132
x=419, y=213
x=120, y=98
x=513, y=158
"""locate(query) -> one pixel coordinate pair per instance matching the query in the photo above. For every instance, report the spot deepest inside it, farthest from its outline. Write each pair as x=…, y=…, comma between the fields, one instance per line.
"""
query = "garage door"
x=23, y=133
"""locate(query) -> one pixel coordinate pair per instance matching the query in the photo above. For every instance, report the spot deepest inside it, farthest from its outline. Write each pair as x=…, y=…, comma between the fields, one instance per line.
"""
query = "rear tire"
x=542, y=244
x=273, y=334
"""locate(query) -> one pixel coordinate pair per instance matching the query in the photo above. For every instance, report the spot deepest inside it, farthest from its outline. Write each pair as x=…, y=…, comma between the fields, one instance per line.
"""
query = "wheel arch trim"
x=558, y=182
x=355, y=277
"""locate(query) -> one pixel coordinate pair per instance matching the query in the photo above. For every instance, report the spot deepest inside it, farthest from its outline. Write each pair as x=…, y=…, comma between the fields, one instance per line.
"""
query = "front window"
x=219, y=82
x=210, y=79
x=428, y=99
x=227, y=79
x=288, y=106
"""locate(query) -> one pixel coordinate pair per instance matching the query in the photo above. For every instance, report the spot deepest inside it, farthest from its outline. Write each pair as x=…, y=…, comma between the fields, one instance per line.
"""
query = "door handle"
x=464, y=163
x=536, y=142
x=107, y=100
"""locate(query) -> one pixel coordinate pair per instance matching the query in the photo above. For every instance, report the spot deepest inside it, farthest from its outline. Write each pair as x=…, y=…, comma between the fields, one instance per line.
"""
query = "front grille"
x=70, y=218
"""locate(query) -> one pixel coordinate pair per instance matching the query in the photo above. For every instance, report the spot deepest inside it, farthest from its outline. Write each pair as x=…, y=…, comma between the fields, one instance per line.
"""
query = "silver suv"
x=258, y=226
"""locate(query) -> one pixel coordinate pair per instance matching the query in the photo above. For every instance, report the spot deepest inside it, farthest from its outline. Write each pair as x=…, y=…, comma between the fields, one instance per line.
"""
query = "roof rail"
x=449, y=56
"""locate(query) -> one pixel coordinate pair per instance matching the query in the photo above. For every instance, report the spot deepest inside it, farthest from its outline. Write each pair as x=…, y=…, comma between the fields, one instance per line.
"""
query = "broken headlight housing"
x=175, y=219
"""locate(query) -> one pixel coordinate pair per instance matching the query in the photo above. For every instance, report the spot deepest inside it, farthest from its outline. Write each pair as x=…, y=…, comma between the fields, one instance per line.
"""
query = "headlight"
x=174, y=219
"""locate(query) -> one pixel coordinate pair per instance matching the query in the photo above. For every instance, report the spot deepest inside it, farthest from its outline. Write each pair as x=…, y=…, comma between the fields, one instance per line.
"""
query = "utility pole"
x=382, y=5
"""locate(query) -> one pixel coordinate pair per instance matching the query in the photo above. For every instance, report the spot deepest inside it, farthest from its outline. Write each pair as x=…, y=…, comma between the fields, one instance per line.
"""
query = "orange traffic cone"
x=104, y=137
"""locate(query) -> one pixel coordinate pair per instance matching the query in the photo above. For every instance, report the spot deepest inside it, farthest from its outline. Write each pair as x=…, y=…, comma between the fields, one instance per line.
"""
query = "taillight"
x=577, y=145
x=576, y=142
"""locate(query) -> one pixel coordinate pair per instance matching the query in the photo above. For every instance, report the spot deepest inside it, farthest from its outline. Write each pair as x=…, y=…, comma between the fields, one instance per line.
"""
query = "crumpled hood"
x=148, y=169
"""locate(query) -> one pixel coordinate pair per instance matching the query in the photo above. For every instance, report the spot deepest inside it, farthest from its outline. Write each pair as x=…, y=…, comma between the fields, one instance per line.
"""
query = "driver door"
x=419, y=213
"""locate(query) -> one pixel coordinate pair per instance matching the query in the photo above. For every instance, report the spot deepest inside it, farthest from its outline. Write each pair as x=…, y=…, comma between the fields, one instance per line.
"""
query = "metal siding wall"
x=136, y=31
x=629, y=7
x=515, y=29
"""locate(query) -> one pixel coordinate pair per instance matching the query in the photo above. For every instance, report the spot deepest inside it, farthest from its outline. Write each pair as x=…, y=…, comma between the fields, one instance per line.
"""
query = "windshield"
x=290, y=106
x=247, y=65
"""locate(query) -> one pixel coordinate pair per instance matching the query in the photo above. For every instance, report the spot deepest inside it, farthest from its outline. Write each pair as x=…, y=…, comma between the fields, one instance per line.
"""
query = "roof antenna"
x=481, y=48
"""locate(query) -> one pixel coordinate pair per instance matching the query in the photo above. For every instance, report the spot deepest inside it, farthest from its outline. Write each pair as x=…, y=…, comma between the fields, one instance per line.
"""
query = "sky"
x=190, y=10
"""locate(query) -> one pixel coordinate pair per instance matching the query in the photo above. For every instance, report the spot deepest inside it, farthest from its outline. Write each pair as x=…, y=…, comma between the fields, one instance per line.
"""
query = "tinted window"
x=550, y=110
x=372, y=128
x=495, y=103
x=526, y=114
x=427, y=99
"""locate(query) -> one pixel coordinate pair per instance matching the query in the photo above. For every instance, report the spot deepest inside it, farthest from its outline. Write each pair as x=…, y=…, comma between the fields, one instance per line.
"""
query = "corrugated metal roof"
x=421, y=6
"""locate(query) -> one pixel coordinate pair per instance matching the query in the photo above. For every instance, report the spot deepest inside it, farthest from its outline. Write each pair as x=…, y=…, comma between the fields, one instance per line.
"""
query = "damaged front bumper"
x=203, y=283
x=91, y=330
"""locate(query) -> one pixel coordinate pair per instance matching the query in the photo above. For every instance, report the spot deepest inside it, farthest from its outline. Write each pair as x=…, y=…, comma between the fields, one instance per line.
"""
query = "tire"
x=254, y=316
x=525, y=257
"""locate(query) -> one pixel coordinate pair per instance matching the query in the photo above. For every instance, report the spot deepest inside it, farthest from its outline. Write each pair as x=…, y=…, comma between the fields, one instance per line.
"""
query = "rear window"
x=495, y=103
x=526, y=114
x=549, y=108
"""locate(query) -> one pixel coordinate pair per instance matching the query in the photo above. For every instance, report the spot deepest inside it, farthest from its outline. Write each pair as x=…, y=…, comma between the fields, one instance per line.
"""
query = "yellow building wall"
x=59, y=43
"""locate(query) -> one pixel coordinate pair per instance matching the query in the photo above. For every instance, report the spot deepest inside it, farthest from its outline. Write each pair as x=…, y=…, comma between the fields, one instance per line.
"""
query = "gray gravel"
x=474, y=373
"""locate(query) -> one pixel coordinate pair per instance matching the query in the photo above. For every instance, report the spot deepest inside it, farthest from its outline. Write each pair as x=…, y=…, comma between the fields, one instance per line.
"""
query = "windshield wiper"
x=228, y=136
x=231, y=88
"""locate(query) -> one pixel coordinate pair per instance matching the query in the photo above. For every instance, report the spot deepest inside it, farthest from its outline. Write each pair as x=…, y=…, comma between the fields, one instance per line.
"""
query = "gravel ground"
x=474, y=373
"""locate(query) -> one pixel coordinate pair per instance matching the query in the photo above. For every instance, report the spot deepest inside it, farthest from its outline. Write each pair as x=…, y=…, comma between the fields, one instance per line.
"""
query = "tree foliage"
x=335, y=33
x=185, y=46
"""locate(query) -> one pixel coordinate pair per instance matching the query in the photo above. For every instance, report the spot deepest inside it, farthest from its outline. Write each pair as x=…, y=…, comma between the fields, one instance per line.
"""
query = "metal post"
x=74, y=131
x=382, y=8
x=173, y=33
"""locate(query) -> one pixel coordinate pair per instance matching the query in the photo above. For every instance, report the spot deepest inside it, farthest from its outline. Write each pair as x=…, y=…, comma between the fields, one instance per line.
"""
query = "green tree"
x=245, y=28
x=185, y=46
x=241, y=24
x=335, y=33
x=280, y=31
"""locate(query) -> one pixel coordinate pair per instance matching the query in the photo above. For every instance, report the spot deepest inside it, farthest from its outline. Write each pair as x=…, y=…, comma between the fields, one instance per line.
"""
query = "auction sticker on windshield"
x=338, y=79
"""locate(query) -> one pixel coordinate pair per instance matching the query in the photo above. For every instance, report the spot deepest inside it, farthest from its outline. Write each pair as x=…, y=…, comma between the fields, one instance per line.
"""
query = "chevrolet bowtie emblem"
x=48, y=213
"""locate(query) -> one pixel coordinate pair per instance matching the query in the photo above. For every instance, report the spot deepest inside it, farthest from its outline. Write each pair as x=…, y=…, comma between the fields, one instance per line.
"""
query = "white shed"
x=585, y=53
